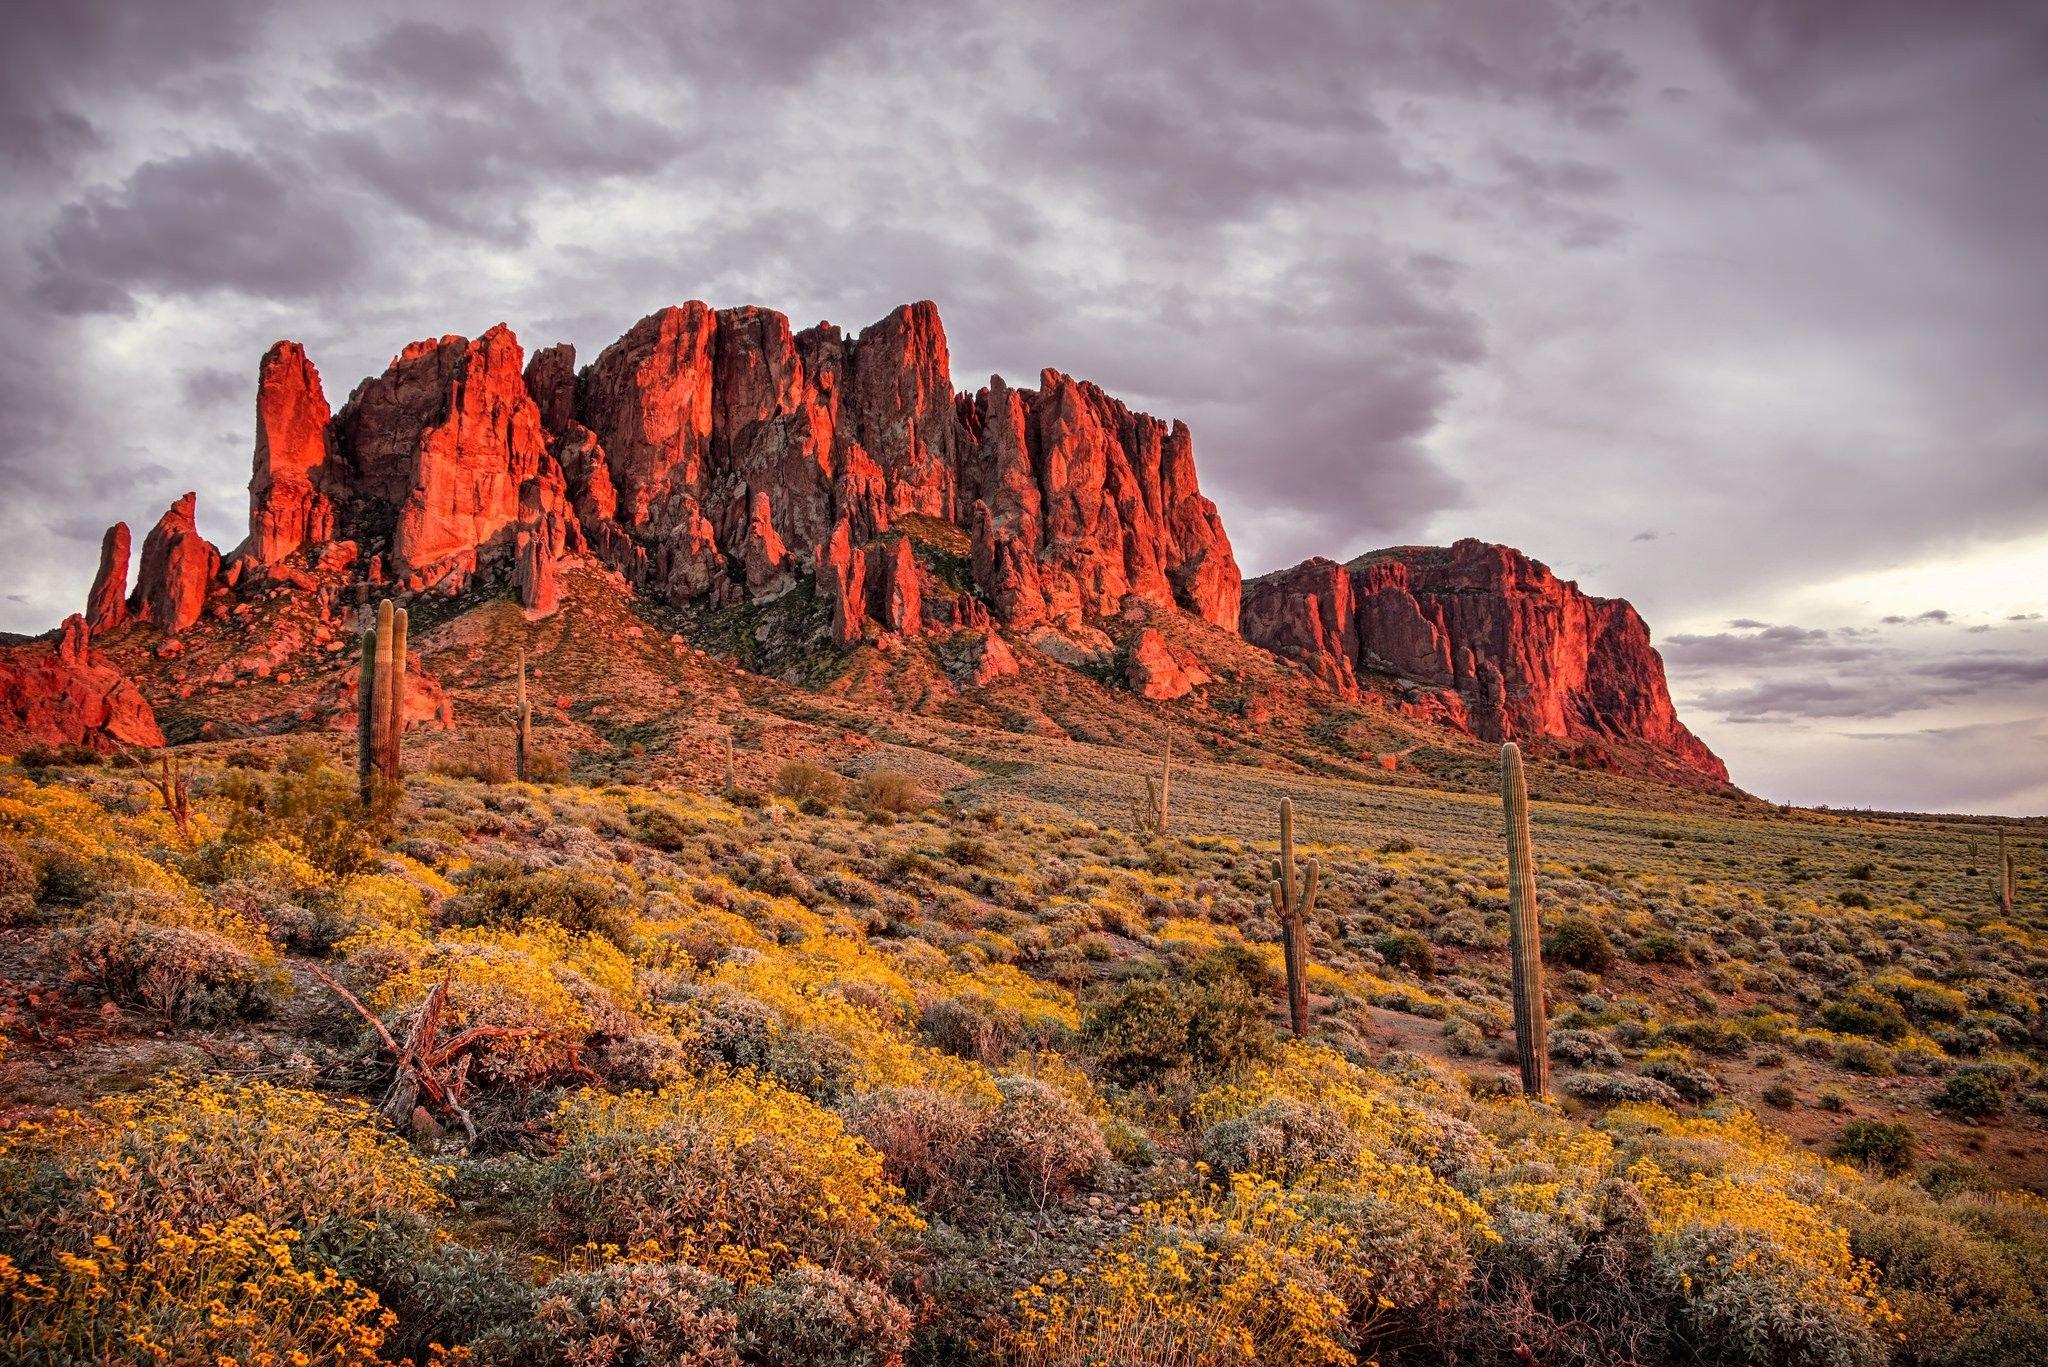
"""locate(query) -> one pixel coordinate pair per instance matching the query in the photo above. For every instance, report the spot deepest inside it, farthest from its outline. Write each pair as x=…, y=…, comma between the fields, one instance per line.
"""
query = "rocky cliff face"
x=1481, y=636
x=713, y=456
x=718, y=458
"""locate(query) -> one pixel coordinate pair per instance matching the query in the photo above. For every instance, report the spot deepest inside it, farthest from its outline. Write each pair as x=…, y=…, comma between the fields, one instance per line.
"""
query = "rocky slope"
x=1481, y=637
x=63, y=692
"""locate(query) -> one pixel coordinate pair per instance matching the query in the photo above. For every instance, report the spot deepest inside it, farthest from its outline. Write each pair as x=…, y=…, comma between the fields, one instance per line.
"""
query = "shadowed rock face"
x=1490, y=639
x=67, y=693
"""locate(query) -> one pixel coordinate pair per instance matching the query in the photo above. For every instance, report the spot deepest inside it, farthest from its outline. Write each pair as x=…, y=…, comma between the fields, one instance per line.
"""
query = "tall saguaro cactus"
x=1525, y=944
x=2004, y=876
x=1159, y=793
x=522, y=723
x=380, y=702
x=1294, y=901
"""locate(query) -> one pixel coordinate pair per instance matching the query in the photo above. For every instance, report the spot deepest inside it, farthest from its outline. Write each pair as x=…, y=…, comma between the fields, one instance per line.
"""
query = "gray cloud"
x=214, y=220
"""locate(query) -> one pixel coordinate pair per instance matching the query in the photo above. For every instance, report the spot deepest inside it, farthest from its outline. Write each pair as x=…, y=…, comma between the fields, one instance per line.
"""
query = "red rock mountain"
x=1482, y=637
x=718, y=459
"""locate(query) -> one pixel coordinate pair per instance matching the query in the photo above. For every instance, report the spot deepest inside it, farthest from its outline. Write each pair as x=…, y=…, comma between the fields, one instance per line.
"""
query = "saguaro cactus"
x=1159, y=793
x=1294, y=901
x=380, y=701
x=1525, y=944
x=2004, y=876
x=732, y=775
x=522, y=723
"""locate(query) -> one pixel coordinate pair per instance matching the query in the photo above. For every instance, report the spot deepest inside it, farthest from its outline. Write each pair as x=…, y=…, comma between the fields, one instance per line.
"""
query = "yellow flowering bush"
x=560, y=989
x=224, y=1293
x=1762, y=1276
x=734, y=1174
x=1249, y=1273
x=191, y=1152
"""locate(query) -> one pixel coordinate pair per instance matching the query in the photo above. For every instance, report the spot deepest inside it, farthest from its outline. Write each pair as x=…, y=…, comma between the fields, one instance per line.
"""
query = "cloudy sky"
x=1735, y=308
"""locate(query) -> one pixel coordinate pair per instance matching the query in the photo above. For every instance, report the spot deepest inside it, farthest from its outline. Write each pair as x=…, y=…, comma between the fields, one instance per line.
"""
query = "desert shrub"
x=314, y=811
x=1660, y=947
x=547, y=766
x=222, y=1293
x=650, y=1314
x=1213, y=1021
x=1973, y=1094
x=891, y=791
x=1406, y=949
x=735, y=1174
x=1758, y=1275
x=186, y=1153
x=1584, y=1049
x=17, y=887
x=441, y=1292
x=1283, y=1137
x=1042, y=1144
x=1864, y=1012
x=1780, y=1095
x=185, y=977
x=63, y=878
x=1967, y=1296
x=815, y=1317
x=1578, y=942
x=477, y=761
x=1613, y=1089
x=1693, y=1084
x=1254, y=1273
x=502, y=893
x=1885, y=1146
x=809, y=784
x=931, y=1141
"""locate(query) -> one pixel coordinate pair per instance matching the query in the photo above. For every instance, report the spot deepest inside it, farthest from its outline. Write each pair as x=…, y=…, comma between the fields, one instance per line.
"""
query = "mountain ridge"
x=839, y=494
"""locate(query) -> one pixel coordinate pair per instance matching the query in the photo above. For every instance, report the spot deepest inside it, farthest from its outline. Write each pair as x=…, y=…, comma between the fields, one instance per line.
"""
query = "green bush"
x=502, y=893
x=1884, y=1146
x=809, y=784
x=441, y=1291
x=1406, y=949
x=1973, y=1094
x=1863, y=1012
x=1214, y=1020
x=1578, y=942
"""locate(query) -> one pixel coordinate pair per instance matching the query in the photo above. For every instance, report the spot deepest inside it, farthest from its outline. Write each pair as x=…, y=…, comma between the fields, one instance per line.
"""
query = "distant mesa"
x=1479, y=636
x=716, y=459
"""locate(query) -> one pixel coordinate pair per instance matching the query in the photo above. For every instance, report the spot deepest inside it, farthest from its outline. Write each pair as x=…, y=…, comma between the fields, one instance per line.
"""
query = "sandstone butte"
x=1484, y=637
x=716, y=457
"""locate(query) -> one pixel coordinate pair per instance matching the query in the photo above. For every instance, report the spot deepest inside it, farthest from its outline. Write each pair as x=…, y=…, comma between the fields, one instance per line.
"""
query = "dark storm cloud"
x=213, y=220
x=59, y=55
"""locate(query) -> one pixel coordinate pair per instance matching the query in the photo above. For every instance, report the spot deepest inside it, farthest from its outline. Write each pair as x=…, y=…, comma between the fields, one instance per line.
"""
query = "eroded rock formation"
x=177, y=571
x=1481, y=636
x=64, y=692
